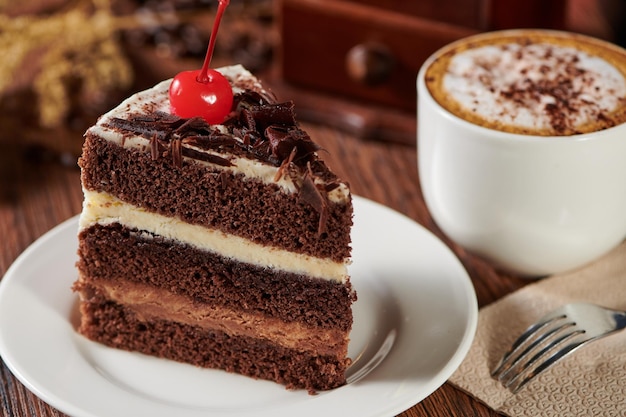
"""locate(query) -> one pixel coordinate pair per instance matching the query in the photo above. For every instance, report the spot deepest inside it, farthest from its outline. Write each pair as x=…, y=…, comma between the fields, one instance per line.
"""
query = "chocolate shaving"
x=251, y=98
x=159, y=116
x=154, y=147
x=247, y=119
x=177, y=157
x=310, y=194
x=206, y=157
x=331, y=186
x=283, y=140
x=281, y=114
x=193, y=126
x=284, y=165
x=214, y=140
x=141, y=128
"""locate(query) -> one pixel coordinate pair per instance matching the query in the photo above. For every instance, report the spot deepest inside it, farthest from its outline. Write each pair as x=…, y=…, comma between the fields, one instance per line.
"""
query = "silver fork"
x=551, y=338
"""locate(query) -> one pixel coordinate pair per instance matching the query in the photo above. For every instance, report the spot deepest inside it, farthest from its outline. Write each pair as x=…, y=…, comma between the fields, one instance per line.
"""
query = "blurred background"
x=349, y=65
x=65, y=62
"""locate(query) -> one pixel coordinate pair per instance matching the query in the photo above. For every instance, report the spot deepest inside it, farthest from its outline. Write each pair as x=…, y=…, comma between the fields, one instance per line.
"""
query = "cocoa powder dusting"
x=564, y=103
x=531, y=86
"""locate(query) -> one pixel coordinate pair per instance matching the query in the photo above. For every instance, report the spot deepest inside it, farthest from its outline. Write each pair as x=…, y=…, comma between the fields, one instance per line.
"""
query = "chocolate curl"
x=280, y=114
x=194, y=126
x=154, y=147
x=311, y=195
x=177, y=156
x=247, y=119
x=282, y=141
x=284, y=165
x=140, y=127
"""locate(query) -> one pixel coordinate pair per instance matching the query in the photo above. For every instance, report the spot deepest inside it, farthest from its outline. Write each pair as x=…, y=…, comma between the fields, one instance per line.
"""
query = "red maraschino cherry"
x=205, y=92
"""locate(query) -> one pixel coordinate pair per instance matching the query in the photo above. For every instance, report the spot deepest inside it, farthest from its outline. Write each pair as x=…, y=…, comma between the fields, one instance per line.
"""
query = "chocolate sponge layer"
x=114, y=251
x=216, y=199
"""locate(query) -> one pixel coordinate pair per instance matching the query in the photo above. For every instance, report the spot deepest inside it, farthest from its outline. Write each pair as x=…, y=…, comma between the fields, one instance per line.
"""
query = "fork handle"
x=620, y=319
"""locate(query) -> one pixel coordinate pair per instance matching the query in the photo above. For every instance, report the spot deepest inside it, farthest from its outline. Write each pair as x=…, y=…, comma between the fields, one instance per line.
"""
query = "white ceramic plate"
x=413, y=324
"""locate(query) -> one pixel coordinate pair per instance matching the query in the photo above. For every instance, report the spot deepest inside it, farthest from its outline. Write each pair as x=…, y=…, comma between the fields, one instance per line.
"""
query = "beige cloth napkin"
x=589, y=382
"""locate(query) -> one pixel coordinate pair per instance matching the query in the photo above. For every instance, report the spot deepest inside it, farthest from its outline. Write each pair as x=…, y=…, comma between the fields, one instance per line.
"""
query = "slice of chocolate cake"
x=224, y=246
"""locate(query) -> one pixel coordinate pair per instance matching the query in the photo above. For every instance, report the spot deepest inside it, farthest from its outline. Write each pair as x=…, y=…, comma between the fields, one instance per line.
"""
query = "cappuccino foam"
x=532, y=85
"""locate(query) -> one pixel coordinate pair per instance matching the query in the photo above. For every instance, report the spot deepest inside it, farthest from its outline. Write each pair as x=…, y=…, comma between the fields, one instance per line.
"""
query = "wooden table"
x=37, y=192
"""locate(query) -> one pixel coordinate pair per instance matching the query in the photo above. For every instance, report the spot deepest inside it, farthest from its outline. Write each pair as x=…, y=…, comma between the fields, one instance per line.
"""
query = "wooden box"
x=357, y=50
x=370, y=51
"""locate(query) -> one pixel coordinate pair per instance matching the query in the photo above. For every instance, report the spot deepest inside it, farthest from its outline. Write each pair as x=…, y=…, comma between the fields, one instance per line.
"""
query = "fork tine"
x=553, y=337
x=518, y=360
x=516, y=383
x=511, y=358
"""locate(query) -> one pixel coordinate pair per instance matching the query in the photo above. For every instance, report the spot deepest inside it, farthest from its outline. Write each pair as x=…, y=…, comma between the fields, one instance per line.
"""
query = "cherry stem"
x=203, y=77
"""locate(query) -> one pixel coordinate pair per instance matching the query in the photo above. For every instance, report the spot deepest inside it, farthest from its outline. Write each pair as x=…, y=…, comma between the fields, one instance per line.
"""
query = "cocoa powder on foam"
x=537, y=84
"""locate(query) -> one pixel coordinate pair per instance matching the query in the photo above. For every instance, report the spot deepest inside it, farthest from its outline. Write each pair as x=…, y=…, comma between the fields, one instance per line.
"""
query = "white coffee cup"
x=530, y=203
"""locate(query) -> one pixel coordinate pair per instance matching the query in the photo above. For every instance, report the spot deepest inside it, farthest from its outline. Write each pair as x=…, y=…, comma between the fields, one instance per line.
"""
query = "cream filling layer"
x=104, y=209
x=148, y=303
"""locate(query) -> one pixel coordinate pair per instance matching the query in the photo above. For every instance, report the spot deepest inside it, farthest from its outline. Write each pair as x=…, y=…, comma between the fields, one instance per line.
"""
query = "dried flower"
x=75, y=50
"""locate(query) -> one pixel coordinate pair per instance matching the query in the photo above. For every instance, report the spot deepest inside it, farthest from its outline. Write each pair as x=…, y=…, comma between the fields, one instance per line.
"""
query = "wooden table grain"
x=37, y=192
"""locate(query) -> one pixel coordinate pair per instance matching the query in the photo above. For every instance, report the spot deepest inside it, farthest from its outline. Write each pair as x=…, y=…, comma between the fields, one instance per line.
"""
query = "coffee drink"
x=529, y=82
